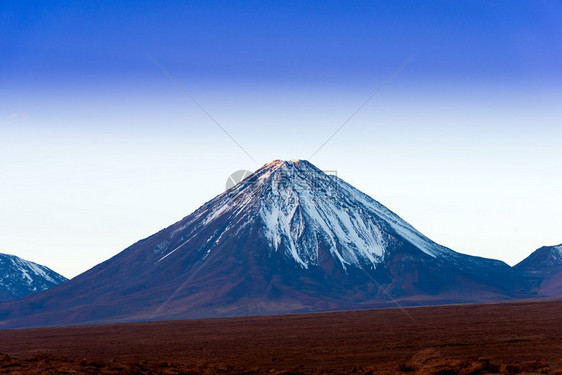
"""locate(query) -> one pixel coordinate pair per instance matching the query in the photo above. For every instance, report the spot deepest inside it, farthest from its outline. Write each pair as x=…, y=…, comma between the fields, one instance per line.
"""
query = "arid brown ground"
x=523, y=337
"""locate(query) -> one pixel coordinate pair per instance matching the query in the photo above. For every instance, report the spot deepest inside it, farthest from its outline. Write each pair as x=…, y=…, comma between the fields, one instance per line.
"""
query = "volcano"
x=287, y=239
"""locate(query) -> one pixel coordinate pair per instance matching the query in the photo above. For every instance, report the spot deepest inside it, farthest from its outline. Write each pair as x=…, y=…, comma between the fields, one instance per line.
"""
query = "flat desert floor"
x=515, y=337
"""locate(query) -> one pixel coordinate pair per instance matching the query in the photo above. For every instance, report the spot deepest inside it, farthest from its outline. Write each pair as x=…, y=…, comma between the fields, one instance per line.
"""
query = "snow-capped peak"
x=301, y=210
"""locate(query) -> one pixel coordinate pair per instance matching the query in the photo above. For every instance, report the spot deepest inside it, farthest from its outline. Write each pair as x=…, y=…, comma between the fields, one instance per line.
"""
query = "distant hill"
x=544, y=264
x=20, y=277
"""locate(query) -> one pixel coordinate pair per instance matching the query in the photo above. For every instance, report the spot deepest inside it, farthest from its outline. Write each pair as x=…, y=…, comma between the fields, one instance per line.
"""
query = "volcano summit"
x=287, y=239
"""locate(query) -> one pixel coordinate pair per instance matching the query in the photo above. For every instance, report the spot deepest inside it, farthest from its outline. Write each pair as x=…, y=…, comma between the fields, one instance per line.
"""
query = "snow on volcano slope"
x=301, y=204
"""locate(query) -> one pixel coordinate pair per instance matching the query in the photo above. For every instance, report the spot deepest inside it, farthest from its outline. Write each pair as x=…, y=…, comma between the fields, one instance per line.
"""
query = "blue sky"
x=71, y=44
x=99, y=148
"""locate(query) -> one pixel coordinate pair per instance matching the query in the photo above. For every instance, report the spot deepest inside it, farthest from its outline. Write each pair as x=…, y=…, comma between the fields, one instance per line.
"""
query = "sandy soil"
x=523, y=337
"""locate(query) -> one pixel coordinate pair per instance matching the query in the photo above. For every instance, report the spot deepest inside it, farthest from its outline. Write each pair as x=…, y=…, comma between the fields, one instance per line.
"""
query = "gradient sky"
x=99, y=148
